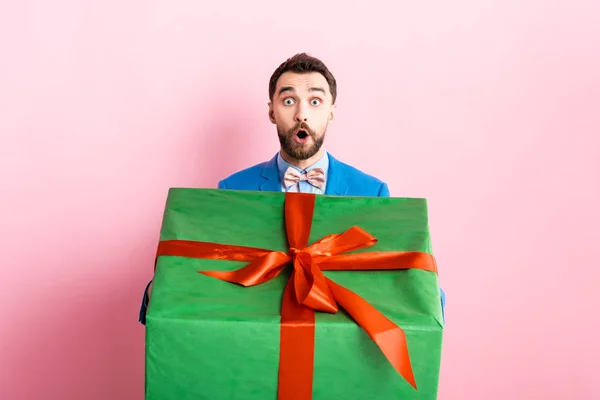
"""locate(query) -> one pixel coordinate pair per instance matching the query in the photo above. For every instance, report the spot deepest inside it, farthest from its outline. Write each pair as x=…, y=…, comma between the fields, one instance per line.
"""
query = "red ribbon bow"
x=308, y=290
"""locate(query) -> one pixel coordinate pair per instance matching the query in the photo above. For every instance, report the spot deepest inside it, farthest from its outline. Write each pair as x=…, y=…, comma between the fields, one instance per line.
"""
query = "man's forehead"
x=305, y=81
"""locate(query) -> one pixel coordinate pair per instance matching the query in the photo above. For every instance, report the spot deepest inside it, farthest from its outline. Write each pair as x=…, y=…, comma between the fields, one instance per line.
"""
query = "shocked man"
x=302, y=94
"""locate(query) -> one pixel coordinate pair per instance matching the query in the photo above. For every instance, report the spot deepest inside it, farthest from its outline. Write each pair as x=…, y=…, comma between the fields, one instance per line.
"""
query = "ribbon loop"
x=354, y=238
x=259, y=271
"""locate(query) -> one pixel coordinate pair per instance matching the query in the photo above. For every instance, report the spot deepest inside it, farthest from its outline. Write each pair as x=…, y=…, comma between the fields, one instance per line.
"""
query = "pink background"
x=490, y=109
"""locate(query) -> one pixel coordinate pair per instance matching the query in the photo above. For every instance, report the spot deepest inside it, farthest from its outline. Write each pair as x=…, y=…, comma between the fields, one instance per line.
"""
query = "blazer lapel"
x=270, y=174
x=336, y=178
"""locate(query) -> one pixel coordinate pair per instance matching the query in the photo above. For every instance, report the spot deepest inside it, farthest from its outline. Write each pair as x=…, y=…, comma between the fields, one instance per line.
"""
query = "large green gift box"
x=364, y=264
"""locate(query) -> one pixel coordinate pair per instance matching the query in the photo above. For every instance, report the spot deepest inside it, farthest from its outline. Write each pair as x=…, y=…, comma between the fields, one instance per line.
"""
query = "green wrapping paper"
x=210, y=339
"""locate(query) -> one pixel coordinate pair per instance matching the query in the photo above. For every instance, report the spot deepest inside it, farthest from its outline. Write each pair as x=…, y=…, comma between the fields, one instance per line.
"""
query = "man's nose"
x=300, y=113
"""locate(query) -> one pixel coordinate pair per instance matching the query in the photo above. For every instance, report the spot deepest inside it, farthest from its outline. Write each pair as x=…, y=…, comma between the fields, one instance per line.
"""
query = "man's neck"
x=302, y=164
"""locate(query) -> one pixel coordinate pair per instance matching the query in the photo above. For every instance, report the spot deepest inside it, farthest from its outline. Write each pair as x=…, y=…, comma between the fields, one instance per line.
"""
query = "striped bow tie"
x=315, y=177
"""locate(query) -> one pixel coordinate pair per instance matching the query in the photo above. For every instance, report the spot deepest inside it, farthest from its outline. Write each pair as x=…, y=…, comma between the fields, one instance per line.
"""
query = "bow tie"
x=315, y=177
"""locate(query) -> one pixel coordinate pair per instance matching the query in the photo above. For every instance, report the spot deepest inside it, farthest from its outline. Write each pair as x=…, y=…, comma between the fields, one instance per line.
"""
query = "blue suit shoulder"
x=361, y=183
x=246, y=179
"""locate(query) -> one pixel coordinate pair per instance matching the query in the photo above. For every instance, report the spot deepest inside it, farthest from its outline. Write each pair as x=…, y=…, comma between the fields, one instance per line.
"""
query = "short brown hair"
x=302, y=63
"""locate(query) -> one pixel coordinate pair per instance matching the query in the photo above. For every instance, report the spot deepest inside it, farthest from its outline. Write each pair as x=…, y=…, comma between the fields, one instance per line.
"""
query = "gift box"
x=265, y=295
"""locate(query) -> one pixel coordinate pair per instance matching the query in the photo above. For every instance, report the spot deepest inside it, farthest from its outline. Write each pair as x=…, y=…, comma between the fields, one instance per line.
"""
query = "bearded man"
x=302, y=94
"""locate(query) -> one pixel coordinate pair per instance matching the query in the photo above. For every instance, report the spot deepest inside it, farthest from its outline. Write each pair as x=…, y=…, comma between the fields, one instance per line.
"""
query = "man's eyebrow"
x=286, y=89
x=317, y=89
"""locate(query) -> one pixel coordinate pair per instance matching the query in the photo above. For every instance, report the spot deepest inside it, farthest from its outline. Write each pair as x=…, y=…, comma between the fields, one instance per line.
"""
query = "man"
x=302, y=94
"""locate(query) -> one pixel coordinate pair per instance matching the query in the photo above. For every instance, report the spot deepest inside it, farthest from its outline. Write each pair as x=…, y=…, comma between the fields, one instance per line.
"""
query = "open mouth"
x=302, y=134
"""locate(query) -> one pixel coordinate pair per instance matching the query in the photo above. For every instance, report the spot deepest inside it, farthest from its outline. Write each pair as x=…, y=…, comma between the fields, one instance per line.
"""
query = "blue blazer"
x=342, y=180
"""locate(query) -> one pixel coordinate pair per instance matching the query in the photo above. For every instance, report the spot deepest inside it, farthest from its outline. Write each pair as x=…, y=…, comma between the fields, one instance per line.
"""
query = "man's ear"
x=271, y=113
x=332, y=112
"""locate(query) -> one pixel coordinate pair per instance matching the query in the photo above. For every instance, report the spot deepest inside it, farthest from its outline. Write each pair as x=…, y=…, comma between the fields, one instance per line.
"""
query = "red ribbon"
x=308, y=290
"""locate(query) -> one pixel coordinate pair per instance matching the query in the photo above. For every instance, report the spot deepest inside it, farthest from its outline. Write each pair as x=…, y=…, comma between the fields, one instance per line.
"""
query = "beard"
x=300, y=151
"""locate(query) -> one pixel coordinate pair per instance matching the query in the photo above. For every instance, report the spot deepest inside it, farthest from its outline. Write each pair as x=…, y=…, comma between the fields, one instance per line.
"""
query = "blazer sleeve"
x=144, y=306
x=384, y=191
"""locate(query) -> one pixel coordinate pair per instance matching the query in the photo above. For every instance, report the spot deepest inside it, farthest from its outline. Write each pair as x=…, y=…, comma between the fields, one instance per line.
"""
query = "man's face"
x=301, y=108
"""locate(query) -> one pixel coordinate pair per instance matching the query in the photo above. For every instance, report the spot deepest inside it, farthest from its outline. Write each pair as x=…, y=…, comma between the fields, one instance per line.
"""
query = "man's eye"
x=315, y=102
x=288, y=102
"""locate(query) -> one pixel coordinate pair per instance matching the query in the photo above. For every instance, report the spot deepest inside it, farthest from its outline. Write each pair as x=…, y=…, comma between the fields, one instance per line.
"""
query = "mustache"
x=301, y=125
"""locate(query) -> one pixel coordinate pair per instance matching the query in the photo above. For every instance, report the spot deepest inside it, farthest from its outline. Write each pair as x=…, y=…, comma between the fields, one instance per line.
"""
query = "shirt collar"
x=322, y=163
